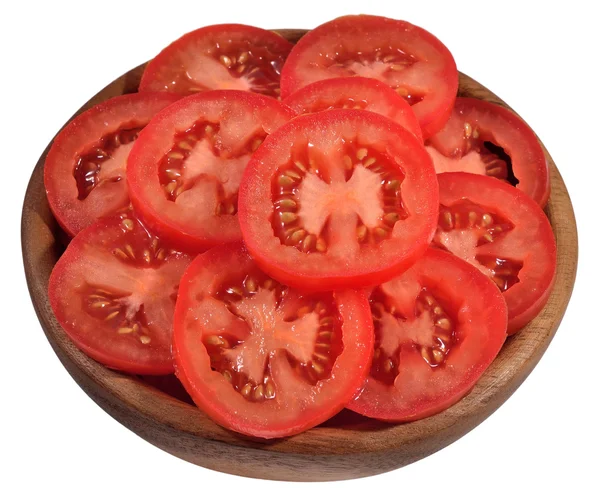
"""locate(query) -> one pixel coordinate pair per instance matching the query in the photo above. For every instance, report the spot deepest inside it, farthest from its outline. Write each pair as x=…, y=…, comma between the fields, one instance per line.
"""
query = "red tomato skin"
x=507, y=200
x=138, y=172
x=161, y=362
x=437, y=265
x=430, y=121
x=252, y=191
x=60, y=160
x=383, y=99
x=352, y=305
x=518, y=140
x=150, y=72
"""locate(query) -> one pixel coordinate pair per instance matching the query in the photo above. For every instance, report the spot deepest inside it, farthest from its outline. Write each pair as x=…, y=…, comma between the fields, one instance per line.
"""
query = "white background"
x=56, y=443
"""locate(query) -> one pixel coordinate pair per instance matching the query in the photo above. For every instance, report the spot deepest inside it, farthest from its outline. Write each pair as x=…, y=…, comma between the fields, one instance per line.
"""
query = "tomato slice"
x=438, y=326
x=263, y=359
x=185, y=169
x=341, y=198
x=502, y=232
x=487, y=139
x=409, y=59
x=84, y=172
x=113, y=292
x=359, y=93
x=227, y=56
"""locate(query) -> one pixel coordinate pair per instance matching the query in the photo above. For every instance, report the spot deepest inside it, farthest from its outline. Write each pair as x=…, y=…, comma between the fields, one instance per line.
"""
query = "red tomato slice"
x=409, y=59
x=438, y=327
x=355, y=93
x=228, y=56
x=185, y=169
x=260, y=358
x=342, y=198
x=488, y=139
x=113, y=292
x=84, y=172
x=502, y=232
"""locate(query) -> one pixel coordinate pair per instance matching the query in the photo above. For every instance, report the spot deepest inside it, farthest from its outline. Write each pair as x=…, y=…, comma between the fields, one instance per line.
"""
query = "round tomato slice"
x=409, y=59
x=359, y=93
x=84, y=172
x=336, y=199
x=228, y=56
x=184, y=171
x=113, y=292
x=487, y=139
x=438, y=326
x=502, y=232
x=263, y=359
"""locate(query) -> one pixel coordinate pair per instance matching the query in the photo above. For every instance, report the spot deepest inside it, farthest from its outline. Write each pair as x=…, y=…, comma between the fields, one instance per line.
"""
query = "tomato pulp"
x=336, y=199
x=261, y=358
x=113, y=292
x=438, y=326
x=407, y=58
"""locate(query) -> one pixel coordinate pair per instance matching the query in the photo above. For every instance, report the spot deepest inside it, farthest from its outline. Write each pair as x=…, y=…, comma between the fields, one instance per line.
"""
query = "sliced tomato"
x=263, y=359
x=359, y=93
x=502, y=232
x=113, y=292
x=438, y=326
x=227, y=56
x=487, y=139
x=341, y=198
x=84, y=172
x=409, y=59
x=184, y=171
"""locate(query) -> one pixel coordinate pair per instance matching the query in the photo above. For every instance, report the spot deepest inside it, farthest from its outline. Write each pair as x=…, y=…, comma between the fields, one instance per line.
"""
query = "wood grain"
x=347, y=446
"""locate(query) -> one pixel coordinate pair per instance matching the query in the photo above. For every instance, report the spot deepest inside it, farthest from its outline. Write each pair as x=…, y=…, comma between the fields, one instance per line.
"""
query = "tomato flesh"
x=338, y=199
x=487, y=139
x=113, y=291
x=355, y=93
x=84, y=172
x=503, y=233
x=185, y=169
x=219, y=57
x=407, y=58
x=438, y=326
x=261, y=358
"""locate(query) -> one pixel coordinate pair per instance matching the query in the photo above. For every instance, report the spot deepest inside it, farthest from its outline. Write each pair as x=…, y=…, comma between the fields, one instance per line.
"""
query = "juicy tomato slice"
x=113, y=292
x=409, y=59
x=438, y=326
x=503, y=233
x=228, y=56
x=185, y=169
x=84, y=172
x=336, y=199
x=359, y=93
x=261, y=358
x=487, y=139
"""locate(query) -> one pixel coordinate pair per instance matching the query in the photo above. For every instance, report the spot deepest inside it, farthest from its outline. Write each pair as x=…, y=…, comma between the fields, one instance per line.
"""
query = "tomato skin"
x=147, y=195
x=157, y=75
x=505, y=129
x=420, y=391
x=374, y=95
x=364, y=31
x=90, y=259
x=532, y=239
x=80, y=135
x=292, y=267
x=271, y=419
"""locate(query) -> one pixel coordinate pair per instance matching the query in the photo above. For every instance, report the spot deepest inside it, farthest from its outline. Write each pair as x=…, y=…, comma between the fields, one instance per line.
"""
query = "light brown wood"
x=347, y=446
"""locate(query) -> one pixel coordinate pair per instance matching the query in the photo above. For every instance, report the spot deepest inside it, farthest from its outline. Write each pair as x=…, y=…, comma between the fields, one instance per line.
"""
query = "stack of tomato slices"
x=294, y=230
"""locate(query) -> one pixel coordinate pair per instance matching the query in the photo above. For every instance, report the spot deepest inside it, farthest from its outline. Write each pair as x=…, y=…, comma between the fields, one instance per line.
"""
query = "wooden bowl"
x=348, y=446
